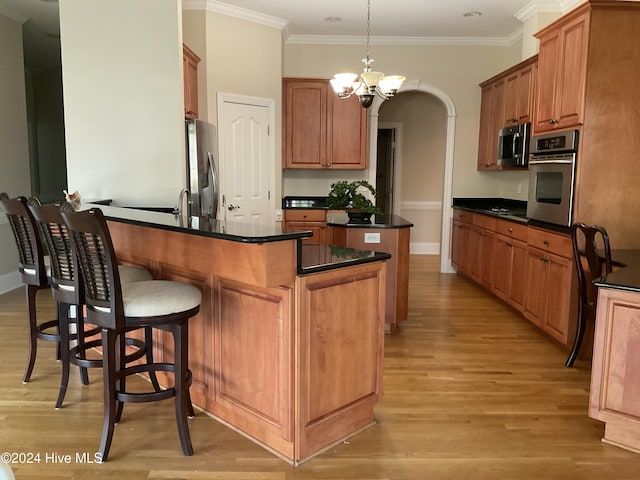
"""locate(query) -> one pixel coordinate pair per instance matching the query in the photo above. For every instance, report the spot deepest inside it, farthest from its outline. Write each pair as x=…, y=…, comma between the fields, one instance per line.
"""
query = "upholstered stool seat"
x=158, y=297
x=118, y=308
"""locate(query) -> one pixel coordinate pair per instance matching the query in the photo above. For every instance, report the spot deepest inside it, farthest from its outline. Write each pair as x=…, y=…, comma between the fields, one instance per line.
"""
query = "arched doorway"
x=447, y=192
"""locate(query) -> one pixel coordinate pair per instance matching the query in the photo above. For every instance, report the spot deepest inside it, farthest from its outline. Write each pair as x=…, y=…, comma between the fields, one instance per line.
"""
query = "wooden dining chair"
x=34, y=270
x=118, y=308
x=592, y=257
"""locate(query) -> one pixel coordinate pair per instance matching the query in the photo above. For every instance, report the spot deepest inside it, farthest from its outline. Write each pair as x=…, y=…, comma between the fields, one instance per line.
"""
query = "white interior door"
x=247, y=158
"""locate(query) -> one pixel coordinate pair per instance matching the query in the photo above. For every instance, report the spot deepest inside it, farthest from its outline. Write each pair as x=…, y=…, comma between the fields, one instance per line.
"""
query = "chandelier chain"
x=368, y=28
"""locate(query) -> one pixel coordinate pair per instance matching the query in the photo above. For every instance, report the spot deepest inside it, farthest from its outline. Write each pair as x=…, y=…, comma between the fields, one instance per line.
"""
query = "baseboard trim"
x=424, y=248
x=10, y=281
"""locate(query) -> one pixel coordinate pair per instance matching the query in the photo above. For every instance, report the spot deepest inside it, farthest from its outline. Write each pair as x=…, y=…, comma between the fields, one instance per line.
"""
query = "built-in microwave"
x=552, y=166
x=513, y=145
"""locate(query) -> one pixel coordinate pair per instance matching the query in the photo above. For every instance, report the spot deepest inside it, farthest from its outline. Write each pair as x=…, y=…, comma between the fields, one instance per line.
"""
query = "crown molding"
x=546, y=6
x=236, y=12
x=405, y=41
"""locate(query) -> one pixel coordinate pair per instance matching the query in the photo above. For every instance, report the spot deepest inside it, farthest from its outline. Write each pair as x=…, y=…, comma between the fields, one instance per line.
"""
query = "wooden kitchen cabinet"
x=550, y=284
x=462, y=224
x=529, y=268
x=485, y=227
x=472, y=245
x=298, y=220
x=562, y=67
x=488, y=135
x=615, y=393
x=320, y=130
x=508, y=274
x=506, y=100
x=190, y=79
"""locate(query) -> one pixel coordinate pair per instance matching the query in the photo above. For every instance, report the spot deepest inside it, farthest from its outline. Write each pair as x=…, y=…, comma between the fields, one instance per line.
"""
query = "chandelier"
x=368, y=84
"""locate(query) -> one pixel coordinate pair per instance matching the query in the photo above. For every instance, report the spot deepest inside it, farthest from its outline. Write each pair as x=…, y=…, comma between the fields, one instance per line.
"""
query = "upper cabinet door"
x=573, y=73
x=506, y=101
x=348, y=133
x=305, y=123
x=562, y=69
x=319, y=129
x=190, y=78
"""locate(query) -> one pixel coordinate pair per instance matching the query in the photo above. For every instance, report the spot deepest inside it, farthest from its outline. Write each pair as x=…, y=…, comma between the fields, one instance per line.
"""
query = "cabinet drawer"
x=550, y=241
x=462, y=215
x=512, y=229
x=305, y=215
x=484, y=221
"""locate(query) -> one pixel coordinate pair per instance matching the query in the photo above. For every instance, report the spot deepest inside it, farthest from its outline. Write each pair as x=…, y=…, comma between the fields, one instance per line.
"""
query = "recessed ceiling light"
x=332, y=19
x=472, y=14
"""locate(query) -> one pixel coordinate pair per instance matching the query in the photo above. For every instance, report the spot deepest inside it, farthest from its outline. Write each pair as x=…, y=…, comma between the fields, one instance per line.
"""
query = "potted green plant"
x=355, y=198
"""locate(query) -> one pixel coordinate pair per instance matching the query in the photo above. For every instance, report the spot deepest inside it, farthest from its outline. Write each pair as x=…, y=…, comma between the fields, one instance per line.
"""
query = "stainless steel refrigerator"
x=202, y=169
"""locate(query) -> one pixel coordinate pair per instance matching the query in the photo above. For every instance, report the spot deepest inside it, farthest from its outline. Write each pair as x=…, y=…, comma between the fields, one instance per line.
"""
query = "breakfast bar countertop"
x=226, y=230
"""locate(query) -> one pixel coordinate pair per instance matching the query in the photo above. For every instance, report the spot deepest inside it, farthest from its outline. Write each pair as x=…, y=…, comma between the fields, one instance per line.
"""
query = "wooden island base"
x=292, y=361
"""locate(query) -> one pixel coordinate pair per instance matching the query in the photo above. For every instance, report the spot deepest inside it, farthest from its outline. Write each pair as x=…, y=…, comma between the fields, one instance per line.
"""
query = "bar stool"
x=118, y=308
x=591, y=264
x=67, y=290
x=34, y=269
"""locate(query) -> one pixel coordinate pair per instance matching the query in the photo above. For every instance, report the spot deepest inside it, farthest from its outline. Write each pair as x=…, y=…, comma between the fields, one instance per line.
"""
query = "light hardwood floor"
x=472, y=391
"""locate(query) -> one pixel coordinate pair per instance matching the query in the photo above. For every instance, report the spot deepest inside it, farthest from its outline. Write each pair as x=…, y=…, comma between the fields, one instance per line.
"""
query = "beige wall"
x=421, y=120
x=14, y=158
x=457, y=71
x=245, y=58
x=123, y=101
x=531, y=26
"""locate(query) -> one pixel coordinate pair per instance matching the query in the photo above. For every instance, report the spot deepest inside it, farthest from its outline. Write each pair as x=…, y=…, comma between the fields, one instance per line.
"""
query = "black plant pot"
x=359, y=217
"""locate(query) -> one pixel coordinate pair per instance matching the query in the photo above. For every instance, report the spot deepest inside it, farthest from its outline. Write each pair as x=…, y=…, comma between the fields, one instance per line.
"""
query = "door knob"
x=232, y=207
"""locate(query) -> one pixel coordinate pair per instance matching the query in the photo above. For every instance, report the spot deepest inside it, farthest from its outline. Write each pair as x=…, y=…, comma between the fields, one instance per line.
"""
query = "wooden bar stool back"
x=33, y=267
x=118, y=308
x=592, y=256
x=68, y=290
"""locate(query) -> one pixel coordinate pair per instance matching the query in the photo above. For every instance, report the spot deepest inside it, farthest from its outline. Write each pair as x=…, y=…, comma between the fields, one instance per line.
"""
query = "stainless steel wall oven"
x=552, y=166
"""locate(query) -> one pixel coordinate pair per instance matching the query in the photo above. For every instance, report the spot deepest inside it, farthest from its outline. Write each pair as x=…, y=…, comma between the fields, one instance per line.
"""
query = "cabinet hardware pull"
x=545, y=243
x=510, y=230
x=508, y=244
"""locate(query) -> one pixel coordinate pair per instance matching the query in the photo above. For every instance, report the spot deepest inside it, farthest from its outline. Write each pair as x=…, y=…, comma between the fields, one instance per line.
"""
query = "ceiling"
x=397, y=21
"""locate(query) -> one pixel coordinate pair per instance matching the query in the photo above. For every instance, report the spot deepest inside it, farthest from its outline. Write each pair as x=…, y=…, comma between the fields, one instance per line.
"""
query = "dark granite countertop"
x=318, y=258
x=311, y=258
x=505, y=208
x=377, y=221
x=625, y=278
x=233, y=231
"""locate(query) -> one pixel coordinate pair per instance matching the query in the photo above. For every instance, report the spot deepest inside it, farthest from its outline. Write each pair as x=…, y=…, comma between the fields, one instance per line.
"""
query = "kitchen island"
x=615, y=376
x=391, y=234
x=288, y=346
